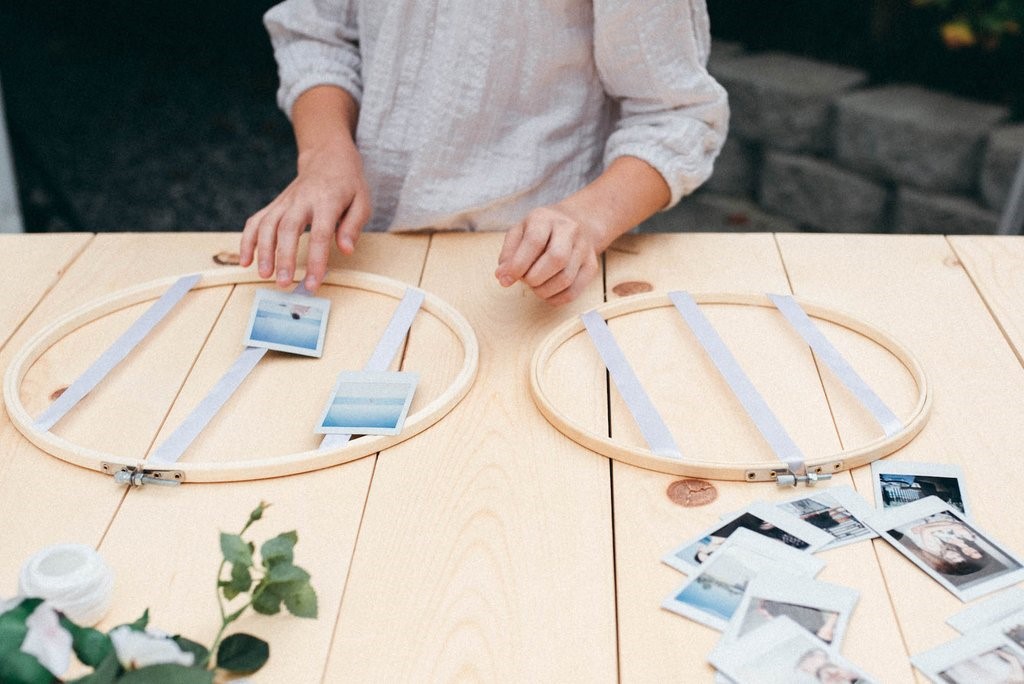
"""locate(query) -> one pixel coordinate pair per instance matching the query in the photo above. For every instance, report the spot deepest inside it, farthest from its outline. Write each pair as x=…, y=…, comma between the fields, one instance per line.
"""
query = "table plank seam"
x=46, y=292
x=988, y=306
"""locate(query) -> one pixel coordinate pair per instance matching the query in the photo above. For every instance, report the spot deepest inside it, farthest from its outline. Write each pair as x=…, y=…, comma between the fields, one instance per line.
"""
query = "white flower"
x=47, y=641
x=138, y=649
x=10, y=604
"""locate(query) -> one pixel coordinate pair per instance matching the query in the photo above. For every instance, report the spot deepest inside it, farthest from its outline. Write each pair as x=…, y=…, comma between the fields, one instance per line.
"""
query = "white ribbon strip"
x=803, y=324
x=651, y=425
x=175, y=445
x=767, y=424
x=116, y=353
x=388, y=347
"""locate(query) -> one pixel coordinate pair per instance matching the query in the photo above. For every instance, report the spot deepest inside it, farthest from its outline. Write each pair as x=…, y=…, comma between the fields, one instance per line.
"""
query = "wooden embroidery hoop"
x=751, y=471
x=254, y=469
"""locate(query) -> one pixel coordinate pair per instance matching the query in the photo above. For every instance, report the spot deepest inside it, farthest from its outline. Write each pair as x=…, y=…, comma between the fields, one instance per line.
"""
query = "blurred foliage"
x=970, y=48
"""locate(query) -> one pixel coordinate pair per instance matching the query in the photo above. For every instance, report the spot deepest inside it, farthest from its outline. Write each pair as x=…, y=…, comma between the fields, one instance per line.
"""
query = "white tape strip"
x=175, y=445
x=653, y=428
x=388, y=347
x=116, y=353
x=769, y=426
x=803, y=324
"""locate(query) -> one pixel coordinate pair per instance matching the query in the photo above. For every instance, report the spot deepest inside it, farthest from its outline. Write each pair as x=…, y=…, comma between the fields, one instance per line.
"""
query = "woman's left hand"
x=553, y=251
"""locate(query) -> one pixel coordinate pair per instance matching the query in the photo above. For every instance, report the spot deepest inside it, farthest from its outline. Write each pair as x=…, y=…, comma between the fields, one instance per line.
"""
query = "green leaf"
x=242, y=653
x=167, y=673
x=266, y=602
x=12, y=631
x=235, y=549
x=90, y=645
x=141, y=624
x=198, y=650
x=241, y=580
x=105, y=673
x=302, y=602
x=280, y=549
x=21, y=668
x=286, y=573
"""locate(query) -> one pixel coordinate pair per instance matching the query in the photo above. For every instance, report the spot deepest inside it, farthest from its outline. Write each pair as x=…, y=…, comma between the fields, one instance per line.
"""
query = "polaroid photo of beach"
x=897, y=483
x=783, y=652
x=762, y=518
x=712, y=595
x=994, y=609
x=938, y=539
x=822, y=609
x=840, y=511
x=288, y=322
x=983, y=657
x=368, y=403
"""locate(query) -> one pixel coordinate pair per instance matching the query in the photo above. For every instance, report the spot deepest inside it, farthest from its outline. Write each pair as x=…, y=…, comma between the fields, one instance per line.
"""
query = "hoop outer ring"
x=758, y=471
x=253, y=469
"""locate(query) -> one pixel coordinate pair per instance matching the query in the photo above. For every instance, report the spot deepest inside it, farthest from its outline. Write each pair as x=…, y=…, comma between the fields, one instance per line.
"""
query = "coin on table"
x=692, y=493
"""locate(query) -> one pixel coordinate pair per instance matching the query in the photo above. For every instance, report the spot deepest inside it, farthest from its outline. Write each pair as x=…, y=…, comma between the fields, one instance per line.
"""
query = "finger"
x=533, y=244
x=267, y=243
x=320, y=237
x=583, y=278
x=352, y=223
x=512, y=239
x=247, y=246
x=556, y=257
x=288, y=231
x=561, y=280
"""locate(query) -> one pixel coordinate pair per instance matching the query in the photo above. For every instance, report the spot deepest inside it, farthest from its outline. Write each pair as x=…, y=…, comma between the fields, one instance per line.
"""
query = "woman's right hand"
x=329, y=194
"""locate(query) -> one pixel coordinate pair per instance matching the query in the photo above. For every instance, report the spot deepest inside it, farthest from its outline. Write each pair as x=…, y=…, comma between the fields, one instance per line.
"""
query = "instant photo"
x=783, y=652
x=897, y=483
x=712, y=595
x=822, y=609
x=840, y=511
x=762, y=518
x=996, y=608
x=984, y=657
x=368, y=403
x=288, y=322
x=936, y=537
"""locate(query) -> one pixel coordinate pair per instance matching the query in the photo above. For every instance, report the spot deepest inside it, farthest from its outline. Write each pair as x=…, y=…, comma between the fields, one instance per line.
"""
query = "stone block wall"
x=816, y=146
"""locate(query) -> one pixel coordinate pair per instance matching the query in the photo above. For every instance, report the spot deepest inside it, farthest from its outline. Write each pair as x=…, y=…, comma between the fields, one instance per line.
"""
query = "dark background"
x=161, y=116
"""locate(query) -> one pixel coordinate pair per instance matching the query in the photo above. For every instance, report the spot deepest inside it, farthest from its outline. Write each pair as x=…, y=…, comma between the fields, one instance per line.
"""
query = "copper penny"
x=226, y=258
x=632, y=287
x=692, y=493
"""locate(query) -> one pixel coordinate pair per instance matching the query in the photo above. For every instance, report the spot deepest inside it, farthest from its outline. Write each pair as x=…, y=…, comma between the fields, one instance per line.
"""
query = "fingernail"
x=506, y=281
x=346, y=244
x=310, y=283
x=283, y=276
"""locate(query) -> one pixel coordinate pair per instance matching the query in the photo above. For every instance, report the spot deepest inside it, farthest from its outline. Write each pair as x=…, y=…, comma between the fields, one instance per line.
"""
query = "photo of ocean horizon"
x=288, y=323
x=367, y=406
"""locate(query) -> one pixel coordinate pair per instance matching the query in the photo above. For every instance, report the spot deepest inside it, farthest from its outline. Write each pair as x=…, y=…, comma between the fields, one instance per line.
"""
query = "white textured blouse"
x=473, y=112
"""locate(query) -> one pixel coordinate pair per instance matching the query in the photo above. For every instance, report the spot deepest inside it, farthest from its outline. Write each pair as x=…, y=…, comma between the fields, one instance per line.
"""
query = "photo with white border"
x=712, y=595
x=783, y=652
x=368, y=403
x=995, y=608
x=937, y=538
x=821, y=608
x=983, y=657
x=839, y=510
x=288, y=322
x=762, y=518
x=897, y=483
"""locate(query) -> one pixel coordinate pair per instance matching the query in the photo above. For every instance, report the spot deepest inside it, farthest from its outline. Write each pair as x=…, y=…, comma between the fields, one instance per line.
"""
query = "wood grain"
x=485, y=553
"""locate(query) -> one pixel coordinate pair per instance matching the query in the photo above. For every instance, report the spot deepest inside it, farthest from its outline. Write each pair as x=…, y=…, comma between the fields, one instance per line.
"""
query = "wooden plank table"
x=491, y=547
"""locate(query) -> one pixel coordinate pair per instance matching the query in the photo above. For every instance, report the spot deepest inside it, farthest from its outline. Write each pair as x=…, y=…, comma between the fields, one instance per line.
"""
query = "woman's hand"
x=553, y=251
x=329, y=193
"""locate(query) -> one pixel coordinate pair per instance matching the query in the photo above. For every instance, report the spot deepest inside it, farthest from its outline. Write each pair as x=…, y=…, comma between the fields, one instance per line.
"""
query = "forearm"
x=324, y=117
x=628, y=192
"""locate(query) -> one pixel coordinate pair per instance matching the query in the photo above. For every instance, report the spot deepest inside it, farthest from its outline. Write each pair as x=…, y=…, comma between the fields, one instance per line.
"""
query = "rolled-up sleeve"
x=316, y=42
x=652, y=58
